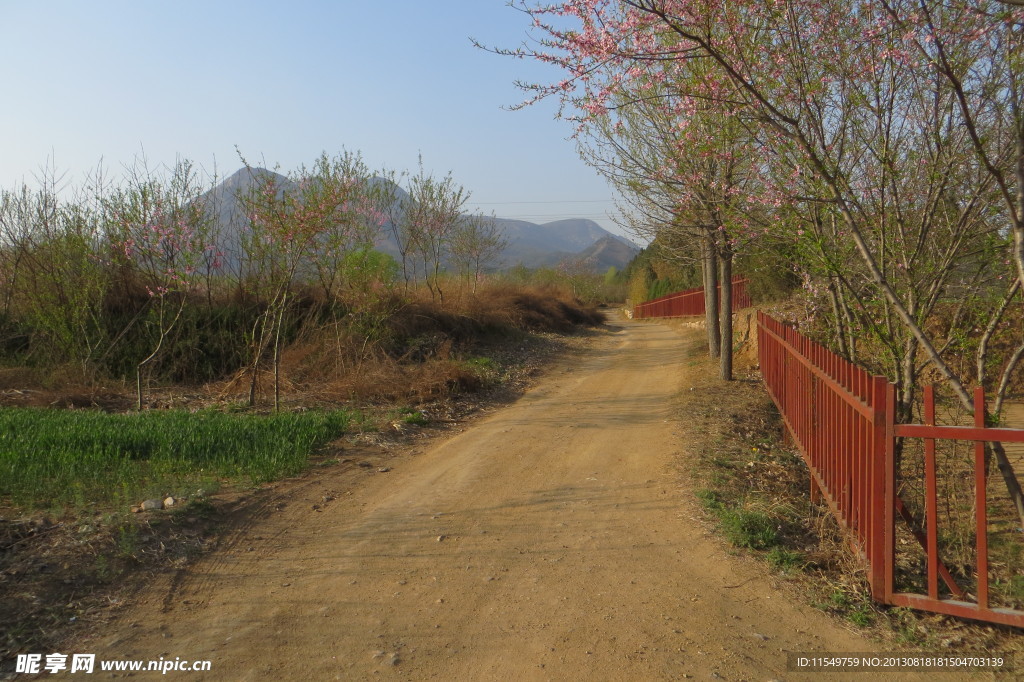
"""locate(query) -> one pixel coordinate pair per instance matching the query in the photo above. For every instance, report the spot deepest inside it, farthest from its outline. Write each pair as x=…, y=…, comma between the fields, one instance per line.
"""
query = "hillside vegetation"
x=136, y=286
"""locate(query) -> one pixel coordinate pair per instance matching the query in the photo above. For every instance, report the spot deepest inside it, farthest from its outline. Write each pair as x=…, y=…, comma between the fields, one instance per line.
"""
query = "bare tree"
x=477, y=243
x=429, y=216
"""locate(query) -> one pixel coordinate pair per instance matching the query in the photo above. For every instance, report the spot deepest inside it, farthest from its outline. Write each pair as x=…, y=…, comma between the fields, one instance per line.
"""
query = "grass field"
x=72, y=458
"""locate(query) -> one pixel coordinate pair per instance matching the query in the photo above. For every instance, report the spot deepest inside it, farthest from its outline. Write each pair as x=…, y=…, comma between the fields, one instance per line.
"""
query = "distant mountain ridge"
x=530, y=244
x=609, y=252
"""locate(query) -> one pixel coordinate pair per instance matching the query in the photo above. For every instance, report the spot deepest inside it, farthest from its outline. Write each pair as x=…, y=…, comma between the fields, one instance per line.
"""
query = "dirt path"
x=550, y=540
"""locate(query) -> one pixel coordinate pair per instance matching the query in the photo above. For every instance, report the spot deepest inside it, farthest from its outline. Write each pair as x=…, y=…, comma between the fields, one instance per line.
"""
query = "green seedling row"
x=58, y=458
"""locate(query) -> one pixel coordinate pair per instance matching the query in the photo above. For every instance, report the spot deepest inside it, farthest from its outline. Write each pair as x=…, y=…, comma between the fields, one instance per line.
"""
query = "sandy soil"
x=552, y=539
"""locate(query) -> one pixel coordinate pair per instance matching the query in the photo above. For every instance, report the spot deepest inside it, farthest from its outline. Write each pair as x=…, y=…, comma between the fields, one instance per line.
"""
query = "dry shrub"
x=497, y=308
x=324, y=337
x=384, y=379
x=19, y=378
x=407, y=349
x=419, y=327
x=238, y=385
x=531, y=308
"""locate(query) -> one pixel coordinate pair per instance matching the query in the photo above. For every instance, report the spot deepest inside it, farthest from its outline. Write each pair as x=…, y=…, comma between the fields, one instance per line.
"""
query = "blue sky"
x=106, y=79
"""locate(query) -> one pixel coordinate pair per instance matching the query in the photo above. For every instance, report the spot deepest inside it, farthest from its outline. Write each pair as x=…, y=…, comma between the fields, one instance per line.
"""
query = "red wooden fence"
x=842, y=419
x=689, y=302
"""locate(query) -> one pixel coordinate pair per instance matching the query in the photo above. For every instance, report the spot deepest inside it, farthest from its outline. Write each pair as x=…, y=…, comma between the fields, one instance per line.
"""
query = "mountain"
x=536, y=245
x=222, y=200
x=530, y=244
x=223, y=206
x=608, y=252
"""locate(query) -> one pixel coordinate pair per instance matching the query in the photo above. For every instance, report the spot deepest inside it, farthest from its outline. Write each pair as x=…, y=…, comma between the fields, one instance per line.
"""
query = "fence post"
x=981, y=501
x=889, y=505
x=879, y=493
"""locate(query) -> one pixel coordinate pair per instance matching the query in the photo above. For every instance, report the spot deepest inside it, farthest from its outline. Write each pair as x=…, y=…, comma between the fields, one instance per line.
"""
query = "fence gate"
x=842, y=420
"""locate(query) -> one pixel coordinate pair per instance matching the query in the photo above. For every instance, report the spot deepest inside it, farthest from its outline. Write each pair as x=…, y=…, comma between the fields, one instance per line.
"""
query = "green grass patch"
x=784, y=559
x=412, y=416
x=855, y=608
x=750, y=529
x=710, y=500
x=747, y=528
x=753, y=488
x=62, y=458
x=486, y=370
x=482, y=365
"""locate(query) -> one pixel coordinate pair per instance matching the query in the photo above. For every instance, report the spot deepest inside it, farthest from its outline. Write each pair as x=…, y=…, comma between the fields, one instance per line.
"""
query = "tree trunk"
x=848, y=319
x=1005, y=468
x=255, y=367
x=837, y=314
x=908, y=374
x=277, y=353
x=725, y=316
x=1009, y=478
x=259, y=348
x=710, y=271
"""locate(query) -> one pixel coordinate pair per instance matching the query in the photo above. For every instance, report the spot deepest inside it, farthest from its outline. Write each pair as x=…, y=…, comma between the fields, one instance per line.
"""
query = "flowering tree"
x=977, y=51
x=888, y=131
x=800, y=76
x=429, y=215
x=338, y=190
x=636, y=146
x=311, y=222
x=159, y=229
x=686, y=179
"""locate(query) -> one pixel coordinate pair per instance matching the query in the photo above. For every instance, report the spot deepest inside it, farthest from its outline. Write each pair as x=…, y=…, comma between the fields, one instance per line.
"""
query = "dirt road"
x=553, y=539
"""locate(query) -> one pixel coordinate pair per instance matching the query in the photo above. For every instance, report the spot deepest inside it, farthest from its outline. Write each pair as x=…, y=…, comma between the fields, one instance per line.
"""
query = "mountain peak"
x=608, y=251
x=530, y=244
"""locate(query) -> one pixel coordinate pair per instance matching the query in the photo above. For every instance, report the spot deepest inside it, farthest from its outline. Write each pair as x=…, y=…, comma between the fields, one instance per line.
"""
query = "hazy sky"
x=85, y=80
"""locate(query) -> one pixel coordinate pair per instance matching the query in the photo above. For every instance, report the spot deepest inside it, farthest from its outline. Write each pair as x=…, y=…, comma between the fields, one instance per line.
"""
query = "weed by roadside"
x=413, y=417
